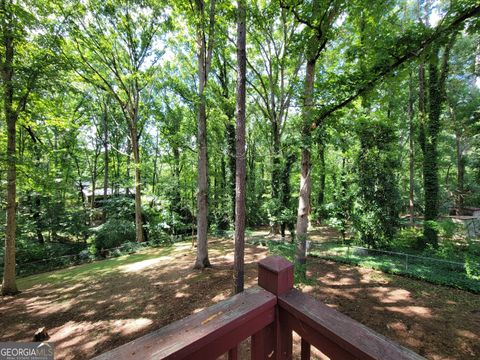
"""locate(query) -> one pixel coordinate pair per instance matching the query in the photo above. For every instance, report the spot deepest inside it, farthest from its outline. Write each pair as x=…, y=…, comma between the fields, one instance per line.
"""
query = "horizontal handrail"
x=333, y=333
x=207, y=334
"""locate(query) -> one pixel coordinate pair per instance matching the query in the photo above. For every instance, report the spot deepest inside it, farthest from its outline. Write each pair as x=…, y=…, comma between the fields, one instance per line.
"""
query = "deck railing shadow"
x=267, y=313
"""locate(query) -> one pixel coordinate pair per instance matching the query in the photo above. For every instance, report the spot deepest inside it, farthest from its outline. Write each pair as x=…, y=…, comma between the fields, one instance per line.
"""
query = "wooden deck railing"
x=267, y=313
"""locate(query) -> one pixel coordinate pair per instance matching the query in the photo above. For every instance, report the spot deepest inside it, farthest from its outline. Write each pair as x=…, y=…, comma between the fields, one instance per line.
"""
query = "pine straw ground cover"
x=91, y=308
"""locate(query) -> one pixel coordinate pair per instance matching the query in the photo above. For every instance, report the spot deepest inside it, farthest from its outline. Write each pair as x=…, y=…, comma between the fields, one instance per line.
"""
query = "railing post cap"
x=275, y=274
x=275, y=263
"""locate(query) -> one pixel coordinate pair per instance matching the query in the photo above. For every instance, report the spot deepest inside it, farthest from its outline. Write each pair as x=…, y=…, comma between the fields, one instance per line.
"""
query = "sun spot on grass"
x=141, y=265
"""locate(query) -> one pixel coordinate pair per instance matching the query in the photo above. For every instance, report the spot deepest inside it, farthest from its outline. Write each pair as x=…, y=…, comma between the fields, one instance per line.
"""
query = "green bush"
x=472, y=266
x=407, y=238
x=447, y=229
x=113, y=233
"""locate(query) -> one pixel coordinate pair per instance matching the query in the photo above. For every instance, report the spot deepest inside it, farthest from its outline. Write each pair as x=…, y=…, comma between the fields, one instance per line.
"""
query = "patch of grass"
x=93, y=269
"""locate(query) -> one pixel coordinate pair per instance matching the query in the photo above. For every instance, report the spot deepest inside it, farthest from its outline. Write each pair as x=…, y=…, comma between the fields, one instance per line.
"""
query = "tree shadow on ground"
x=96, y=308
x=435, y=321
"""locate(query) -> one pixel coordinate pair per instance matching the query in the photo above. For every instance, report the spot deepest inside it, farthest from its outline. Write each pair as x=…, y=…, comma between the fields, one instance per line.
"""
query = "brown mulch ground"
x=89, y=314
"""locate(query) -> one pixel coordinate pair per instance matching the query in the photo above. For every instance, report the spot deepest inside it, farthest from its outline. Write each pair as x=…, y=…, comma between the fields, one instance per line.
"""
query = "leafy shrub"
x=407, y=238
x=120, y=207
x=31, y=251
x=472, y=266
x=447, y=229
x=113, y=233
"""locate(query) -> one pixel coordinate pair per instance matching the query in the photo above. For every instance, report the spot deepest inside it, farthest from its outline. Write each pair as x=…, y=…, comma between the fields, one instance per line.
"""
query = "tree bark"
x=460, y=172
x=286, y=192
x=411, y=102
x=138, y=184
x=305, y=180
x=9, y=286
x=230, y=129
x=321, y=190
x=155, y=162
x=202, y=195
x=240, y=165
x=105, y=154
x=275, y=179
x=204, y=59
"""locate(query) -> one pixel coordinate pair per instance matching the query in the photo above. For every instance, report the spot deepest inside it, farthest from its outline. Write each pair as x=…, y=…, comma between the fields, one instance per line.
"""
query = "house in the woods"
x=98, y=197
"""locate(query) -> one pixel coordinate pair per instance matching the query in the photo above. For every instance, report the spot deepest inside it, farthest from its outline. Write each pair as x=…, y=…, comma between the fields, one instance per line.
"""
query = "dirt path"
x=95, y=307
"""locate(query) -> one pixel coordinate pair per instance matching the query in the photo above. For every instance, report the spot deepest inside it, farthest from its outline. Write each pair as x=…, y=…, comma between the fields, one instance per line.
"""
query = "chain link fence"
x=440, y=271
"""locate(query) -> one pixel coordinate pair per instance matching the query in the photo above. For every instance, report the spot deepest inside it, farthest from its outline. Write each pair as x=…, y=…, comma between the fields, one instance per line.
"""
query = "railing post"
x=275, y=274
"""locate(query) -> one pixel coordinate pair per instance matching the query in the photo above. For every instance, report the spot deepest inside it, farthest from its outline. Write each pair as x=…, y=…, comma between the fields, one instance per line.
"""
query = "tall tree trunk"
x=230, y=128
x=430, y=158
x=275, y=180
x=138, y=184
x=286, y=191
x=204, y=56
x=176, y=198
x=9, y=286
x=240, y=165
x=437, y=74
x=202, y=182
x=128, y=165
x=105, y=154
x=155, y=161
x=305, y=180
x=422, y=105
x=93, y=178
x=321, y=190
x=411, y=101
x=37, y=219
x=460, y=172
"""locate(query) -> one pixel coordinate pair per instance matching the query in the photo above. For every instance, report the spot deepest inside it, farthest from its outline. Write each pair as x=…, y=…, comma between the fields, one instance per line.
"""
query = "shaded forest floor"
x=91, y=308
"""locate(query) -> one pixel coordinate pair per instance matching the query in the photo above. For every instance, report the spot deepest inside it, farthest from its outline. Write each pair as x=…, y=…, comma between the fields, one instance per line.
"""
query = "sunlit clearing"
x=143, y=264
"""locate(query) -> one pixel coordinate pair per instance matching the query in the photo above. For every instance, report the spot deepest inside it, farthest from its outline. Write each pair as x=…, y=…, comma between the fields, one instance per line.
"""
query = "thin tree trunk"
x=155, y=161
x=230, y=128
x=411, y=101
x=9, y=286
x=105, y=154
x=305, y=180
x=128, y=165
x=240, y=165
x=321, y=191
x=138, y=184
x=204, y=59
x=202, y=195
x=460, y=172
x=275, y=180
x=286, y=191
x=94, y=178
x=422, y=106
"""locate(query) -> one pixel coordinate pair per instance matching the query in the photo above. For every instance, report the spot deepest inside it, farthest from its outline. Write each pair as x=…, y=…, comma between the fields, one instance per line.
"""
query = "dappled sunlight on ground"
x=435, y=321
x=95, y=307
x=141, y=265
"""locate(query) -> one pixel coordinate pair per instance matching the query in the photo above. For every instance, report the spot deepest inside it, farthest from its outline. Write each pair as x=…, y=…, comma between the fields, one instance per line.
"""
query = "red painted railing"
x=267, y=313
